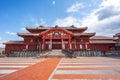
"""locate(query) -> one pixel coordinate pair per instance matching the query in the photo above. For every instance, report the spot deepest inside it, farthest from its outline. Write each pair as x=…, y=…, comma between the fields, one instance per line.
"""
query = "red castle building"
x=64, y=38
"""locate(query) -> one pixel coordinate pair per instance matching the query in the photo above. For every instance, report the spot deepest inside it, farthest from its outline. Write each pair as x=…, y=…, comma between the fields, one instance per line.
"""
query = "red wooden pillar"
x=69, y=43
x=50, y=40
x=50, y=43
x=75, y=43
x=43, y=44
x=62, y=43
x=86, y=46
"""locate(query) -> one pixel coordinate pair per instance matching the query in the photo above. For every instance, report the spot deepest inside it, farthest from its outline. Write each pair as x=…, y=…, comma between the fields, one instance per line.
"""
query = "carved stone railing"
x=82, y=53
x=23, y=54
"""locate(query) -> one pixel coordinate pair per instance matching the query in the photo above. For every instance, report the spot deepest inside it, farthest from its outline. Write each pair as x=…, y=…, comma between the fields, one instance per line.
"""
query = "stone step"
x=54, y=53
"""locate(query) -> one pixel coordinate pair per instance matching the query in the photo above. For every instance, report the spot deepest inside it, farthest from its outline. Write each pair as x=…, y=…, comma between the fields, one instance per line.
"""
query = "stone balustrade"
x=23, y=54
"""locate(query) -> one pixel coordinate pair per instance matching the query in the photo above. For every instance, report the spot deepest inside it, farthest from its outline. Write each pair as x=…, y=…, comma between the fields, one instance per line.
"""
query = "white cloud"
x=23, y=29
x=10, y=33
x=104, y=20
x=107, y=3
x=21, y=38
x=32, y=21
x=53, y=3
x=75, y=7
x=39, y=22
x=0, y=38
x=68, y=21
x=1, y=43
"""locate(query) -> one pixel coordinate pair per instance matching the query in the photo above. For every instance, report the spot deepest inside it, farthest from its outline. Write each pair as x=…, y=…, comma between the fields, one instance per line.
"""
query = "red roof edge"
x=13, y=42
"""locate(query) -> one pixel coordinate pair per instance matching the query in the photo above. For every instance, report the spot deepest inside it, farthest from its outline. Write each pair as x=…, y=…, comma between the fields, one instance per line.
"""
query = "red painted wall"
x=32, y=45
x=103, y=47
x=10, y=47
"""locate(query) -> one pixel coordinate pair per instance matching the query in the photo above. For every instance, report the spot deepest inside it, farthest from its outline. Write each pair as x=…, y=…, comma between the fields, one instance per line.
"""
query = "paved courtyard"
x=10, y=65
x=88, y=68
x=82, y=68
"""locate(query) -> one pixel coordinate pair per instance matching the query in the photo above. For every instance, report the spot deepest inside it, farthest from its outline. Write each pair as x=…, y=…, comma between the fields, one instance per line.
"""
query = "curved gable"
x=55, y=31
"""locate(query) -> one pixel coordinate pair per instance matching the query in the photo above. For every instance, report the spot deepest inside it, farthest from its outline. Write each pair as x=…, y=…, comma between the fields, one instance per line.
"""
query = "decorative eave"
x=84, y=34
x=28, y=35
x=14, y=42
x=72, y=27
x=44, y=28
x=36, y=29
x=56, y=29
x=81, y=28
x=117, y=35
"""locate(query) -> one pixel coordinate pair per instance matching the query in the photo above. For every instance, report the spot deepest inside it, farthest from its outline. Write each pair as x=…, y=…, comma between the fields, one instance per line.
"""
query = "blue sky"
x=100, y=16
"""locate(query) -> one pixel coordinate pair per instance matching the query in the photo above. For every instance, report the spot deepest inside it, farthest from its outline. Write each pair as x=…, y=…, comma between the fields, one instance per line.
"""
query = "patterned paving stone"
x=88, y=68
x=10, y=65
x=83, y=68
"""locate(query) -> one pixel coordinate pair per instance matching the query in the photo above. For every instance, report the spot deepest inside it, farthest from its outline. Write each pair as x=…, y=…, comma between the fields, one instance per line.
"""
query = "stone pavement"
x=82, y=68
x=10, y=65
x=87, y=68
x=40, y=71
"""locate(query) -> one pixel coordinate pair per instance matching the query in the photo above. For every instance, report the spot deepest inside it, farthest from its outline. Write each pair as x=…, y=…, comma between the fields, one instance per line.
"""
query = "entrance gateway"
x=56, y=44
x=56, y=39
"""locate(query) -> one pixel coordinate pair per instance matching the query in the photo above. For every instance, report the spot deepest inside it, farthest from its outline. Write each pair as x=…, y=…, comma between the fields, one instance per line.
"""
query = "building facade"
x=68, y=38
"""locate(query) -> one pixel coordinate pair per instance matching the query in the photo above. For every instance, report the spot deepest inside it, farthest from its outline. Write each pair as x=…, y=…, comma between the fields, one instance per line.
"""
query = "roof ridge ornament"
x=56, y=26
x=72, y=26
x=41, y=26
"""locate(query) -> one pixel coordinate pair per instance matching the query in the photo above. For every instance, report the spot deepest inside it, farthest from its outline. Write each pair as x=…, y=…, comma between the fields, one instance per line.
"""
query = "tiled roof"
x=84, y=34
x=37, y=34
x=14, y=42
x=101, y=37
x=45, y=27
x=102, y=42
x=40, y=27
x=115, y=38
x=117, y=35
x=27, y=34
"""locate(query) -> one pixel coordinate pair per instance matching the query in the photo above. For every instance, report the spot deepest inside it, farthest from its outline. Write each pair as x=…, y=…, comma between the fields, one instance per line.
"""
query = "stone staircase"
x=53, y=53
